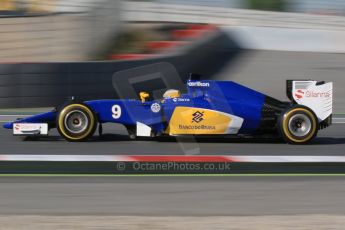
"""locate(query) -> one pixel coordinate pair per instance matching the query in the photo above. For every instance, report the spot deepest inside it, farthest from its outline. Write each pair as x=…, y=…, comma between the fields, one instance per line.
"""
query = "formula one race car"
x=208, y=108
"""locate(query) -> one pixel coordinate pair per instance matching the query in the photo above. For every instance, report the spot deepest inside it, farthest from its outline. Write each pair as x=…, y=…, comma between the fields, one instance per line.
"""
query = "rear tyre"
x=298, y=125
x=76, y=122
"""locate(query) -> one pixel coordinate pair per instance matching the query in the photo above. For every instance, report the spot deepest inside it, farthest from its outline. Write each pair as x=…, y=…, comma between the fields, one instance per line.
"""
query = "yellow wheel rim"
x=65, y=111
x=286, y=130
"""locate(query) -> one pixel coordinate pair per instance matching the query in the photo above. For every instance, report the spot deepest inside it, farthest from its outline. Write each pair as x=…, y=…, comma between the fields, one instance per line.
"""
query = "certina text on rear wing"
x=318, y=96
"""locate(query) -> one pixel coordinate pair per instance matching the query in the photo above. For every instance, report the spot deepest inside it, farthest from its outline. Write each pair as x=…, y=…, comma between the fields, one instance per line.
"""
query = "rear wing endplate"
x=318, y=96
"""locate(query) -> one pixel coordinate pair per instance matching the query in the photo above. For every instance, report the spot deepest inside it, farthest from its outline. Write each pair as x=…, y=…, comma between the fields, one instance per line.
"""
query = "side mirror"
x=143, y=96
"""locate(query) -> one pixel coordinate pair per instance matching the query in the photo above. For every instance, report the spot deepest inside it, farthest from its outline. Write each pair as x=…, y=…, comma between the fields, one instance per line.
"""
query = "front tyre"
x=298, y=125
x=76, y=122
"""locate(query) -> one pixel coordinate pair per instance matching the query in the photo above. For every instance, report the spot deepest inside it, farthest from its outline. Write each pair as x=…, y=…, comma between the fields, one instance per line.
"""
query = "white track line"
x=175, y=158
x=338, y=120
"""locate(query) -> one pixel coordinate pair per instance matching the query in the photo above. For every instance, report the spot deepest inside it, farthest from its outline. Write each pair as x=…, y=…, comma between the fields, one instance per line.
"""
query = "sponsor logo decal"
x=196, y=127
x=189, y=120
x=155, y=107
x=197, y=116
x=181, y=99
x=198, y=84
x=299, y=94
x=27, y=126
x=317, y=94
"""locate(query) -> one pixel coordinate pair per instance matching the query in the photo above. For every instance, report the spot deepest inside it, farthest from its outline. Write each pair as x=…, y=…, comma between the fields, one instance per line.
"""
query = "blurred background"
x=77, y=30
x=54, y=49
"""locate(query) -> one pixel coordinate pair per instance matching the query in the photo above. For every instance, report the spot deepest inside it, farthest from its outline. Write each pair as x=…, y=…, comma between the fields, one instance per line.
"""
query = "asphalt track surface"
x=172, y=196
x=330, y=141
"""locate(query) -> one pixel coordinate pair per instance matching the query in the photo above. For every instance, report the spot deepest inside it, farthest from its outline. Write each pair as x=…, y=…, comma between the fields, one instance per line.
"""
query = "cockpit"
x=170, y=93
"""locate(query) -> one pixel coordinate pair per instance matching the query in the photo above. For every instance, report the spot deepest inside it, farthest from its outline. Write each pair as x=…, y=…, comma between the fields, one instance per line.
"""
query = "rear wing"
x=318, y=96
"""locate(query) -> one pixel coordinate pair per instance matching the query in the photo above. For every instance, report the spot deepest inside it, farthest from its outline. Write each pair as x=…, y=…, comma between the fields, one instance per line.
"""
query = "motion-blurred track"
x=172, y=196
x=330, y=141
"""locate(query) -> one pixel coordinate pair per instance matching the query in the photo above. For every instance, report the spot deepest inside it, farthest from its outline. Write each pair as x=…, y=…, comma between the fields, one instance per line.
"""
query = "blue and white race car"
x=208, y=108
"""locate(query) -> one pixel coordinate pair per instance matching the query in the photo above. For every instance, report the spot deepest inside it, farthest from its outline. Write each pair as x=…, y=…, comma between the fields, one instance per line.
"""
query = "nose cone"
x=8, y=125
